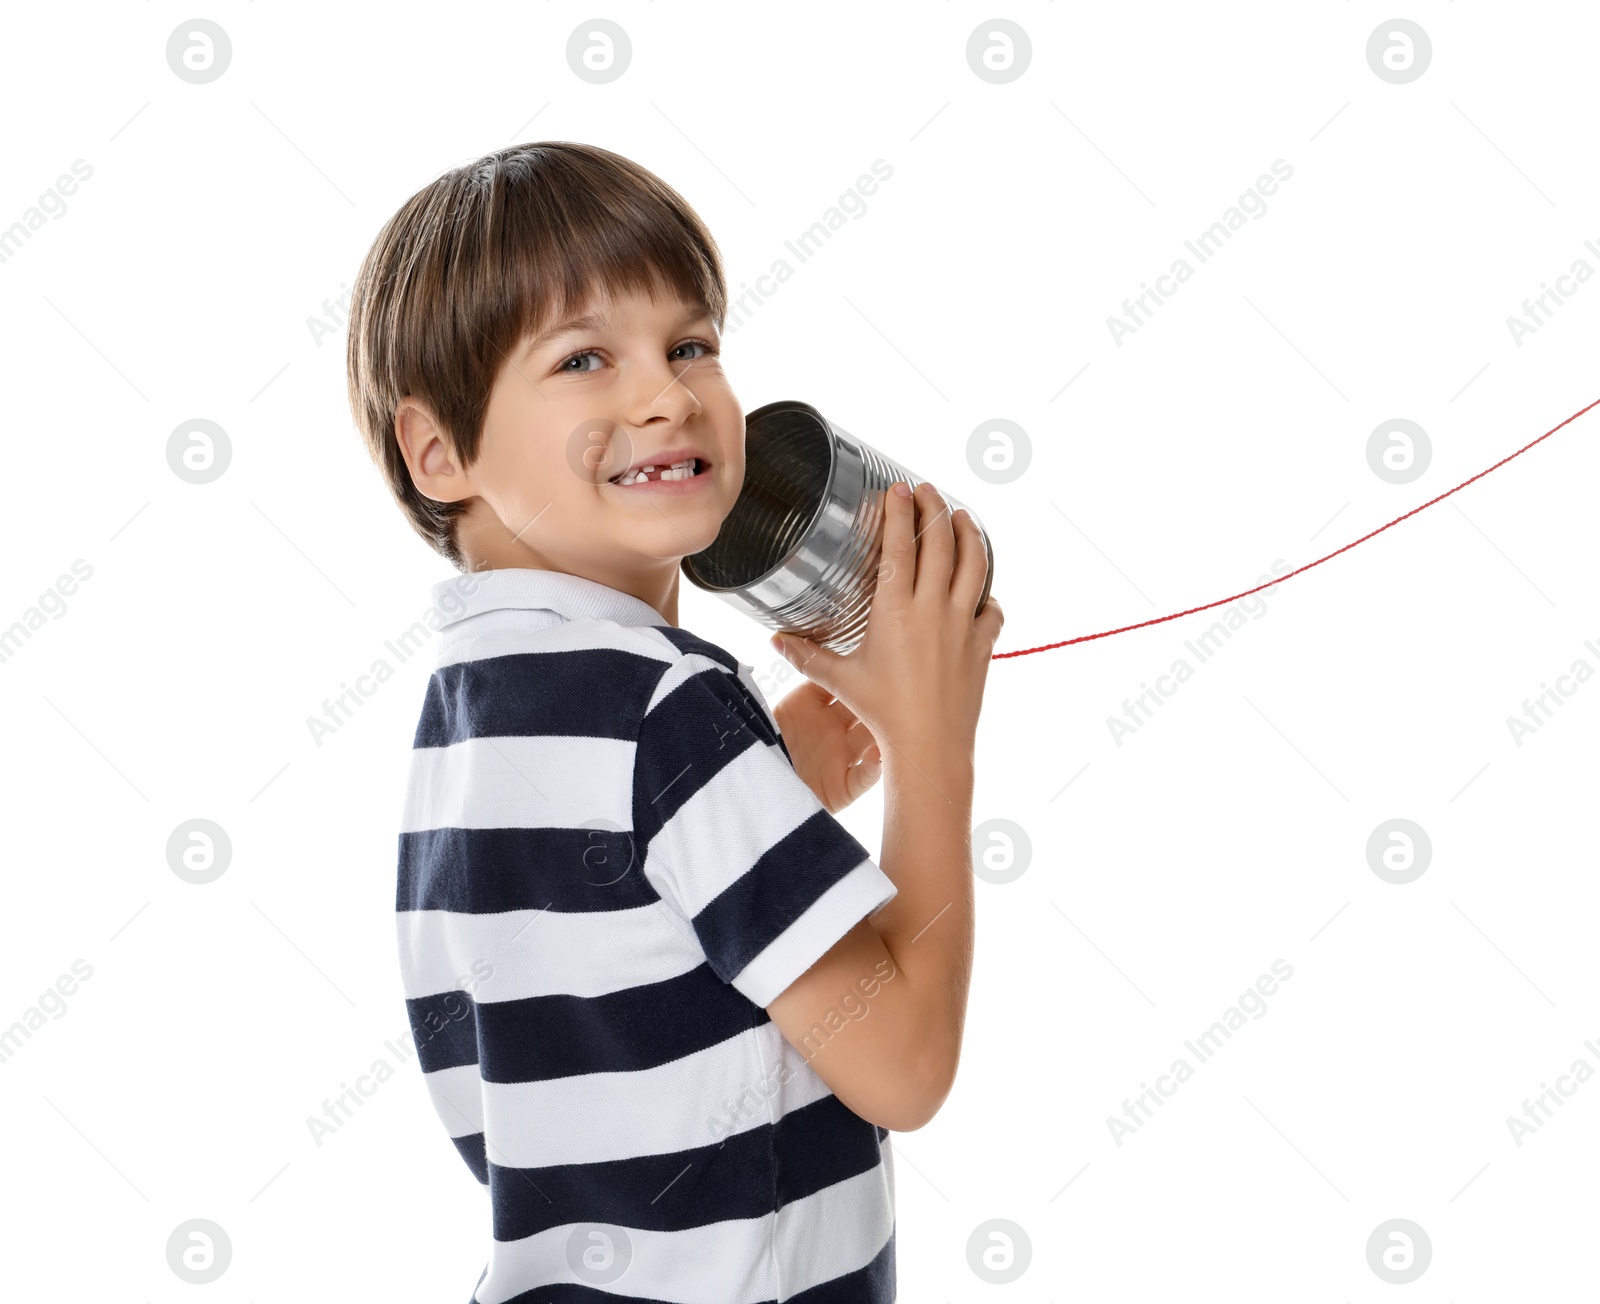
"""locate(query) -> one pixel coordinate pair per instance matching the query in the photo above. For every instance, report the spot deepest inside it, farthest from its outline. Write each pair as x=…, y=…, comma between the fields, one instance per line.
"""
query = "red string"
x=1085, y=638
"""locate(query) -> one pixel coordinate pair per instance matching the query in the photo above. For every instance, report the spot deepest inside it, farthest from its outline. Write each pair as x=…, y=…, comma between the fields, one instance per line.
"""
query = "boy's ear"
x=434, y=468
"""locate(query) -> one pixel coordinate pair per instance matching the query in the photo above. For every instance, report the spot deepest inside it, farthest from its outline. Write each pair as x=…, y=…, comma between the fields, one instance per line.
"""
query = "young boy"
x=667, y=1007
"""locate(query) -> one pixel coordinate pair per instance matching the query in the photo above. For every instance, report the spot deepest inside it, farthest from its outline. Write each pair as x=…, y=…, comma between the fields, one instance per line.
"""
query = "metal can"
x=799, y=551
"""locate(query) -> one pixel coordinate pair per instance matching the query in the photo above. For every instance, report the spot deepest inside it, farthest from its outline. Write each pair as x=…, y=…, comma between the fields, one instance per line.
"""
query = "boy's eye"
x=576, y=362
x=575, y=370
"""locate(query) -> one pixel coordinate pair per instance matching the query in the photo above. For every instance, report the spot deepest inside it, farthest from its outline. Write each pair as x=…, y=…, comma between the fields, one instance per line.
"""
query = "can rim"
x=767, y=410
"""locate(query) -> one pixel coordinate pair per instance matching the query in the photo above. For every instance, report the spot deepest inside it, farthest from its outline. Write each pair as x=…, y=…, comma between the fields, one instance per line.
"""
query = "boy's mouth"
x=679, y=470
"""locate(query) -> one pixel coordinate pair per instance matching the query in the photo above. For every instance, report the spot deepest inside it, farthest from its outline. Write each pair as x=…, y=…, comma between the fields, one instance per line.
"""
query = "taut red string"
x=1123, y=629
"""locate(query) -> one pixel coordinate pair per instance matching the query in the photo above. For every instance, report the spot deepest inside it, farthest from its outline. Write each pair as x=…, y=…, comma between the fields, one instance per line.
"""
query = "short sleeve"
x=733, y=838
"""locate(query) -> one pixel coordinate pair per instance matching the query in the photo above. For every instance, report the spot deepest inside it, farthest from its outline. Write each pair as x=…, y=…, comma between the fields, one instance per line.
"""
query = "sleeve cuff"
x=804, y=942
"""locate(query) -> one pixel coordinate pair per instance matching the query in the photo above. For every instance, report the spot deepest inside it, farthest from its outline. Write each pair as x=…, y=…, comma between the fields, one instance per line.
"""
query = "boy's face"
x=623, y=382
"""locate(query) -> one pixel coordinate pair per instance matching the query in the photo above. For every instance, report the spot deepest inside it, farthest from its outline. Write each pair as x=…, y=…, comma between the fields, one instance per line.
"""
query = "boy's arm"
x=908, y=966
x=916, y=681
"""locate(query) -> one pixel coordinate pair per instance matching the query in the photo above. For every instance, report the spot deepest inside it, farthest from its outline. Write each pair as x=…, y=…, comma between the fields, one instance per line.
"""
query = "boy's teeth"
x=677, y=471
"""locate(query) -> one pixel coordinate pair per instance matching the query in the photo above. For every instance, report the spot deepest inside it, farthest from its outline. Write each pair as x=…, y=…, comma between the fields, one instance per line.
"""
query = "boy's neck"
x=493, y=548
x=660, y=591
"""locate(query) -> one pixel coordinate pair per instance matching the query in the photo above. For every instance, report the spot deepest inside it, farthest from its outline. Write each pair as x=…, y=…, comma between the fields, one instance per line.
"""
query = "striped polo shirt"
x=608, y=868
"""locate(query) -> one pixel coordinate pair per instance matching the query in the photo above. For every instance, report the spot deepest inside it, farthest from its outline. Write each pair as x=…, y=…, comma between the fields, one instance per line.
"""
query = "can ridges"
x=824, y=528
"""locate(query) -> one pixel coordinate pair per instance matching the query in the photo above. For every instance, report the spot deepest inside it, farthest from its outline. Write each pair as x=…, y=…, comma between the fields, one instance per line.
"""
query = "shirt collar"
x=570, y=596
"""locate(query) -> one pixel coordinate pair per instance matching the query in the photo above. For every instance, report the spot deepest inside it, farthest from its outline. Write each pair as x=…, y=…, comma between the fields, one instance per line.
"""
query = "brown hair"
x=487, y=254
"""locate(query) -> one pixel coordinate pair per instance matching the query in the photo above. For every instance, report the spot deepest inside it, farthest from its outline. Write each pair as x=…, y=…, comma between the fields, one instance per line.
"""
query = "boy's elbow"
x=906, y=1118
x=913, y=1099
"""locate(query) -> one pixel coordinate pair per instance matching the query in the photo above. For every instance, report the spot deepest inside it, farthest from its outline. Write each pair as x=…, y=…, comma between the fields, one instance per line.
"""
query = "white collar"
x=570, y=596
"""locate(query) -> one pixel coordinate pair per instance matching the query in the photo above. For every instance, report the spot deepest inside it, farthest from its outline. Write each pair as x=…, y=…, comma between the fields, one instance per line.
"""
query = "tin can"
x=799, y=551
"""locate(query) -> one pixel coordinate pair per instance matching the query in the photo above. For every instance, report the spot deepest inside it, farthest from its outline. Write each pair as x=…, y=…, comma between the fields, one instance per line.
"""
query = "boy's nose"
x=662, y=395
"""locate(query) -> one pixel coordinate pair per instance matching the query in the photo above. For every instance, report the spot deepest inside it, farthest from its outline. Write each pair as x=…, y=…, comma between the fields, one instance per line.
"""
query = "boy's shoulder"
x=515, y=671
x=688, y=644
x=719, y=675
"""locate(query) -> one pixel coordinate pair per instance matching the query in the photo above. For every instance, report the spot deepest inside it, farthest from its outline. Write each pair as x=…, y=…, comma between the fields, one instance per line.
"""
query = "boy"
x=638, y=951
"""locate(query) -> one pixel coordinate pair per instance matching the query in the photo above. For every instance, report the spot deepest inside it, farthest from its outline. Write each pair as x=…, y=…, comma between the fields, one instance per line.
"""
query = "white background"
x=1230, y=831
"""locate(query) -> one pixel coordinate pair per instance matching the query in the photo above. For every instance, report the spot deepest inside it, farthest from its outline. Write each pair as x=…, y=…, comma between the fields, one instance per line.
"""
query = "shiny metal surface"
x=799, y=552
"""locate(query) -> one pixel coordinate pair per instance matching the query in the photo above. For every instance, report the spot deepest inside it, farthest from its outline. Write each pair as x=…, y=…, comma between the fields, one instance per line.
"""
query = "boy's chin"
x=679, y=537
x=697, y=539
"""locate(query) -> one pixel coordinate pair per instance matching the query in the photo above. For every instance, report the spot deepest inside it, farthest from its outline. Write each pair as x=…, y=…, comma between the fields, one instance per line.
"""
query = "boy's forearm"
x=910, y=961
x=928, y=927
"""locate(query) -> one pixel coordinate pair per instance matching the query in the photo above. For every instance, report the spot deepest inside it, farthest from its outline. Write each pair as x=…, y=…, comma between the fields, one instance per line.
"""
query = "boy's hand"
x=916, y=682
x=831, y=749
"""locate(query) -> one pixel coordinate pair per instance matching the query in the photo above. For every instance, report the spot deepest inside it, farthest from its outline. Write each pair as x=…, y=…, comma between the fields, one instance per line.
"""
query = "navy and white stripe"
x=608, y=867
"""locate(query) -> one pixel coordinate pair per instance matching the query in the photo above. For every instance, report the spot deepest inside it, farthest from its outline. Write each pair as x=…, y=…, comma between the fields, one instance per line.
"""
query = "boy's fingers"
x=827, y=669
x=936, y=545
x=991, y=618
x=971, y=561
x=860, y=744
x=859, y=778
x=850, y=718
x=897, y=563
